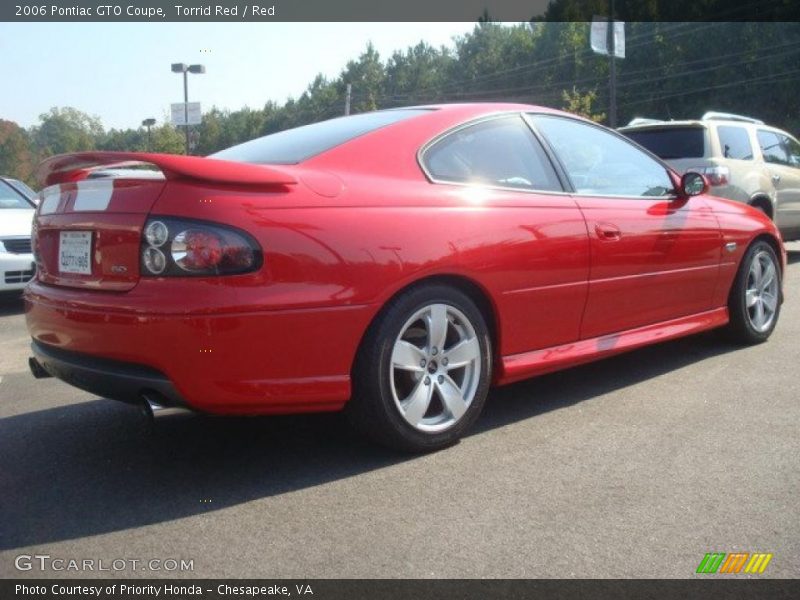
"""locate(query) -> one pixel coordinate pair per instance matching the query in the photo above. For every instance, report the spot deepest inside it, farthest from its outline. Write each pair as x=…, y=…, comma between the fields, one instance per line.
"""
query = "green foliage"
x=581, y=104
x=66, y=130
x=672, y=70
x=16, y=156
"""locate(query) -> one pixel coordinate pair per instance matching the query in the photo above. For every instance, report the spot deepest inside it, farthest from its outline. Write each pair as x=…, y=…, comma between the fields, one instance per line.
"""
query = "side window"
x=792, y=148
x=772, y=148
x=600, y=163
x=501, y=152
x=735, y=142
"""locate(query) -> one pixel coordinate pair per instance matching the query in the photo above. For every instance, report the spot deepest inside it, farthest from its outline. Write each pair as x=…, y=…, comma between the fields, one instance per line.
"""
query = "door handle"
x=607, y=232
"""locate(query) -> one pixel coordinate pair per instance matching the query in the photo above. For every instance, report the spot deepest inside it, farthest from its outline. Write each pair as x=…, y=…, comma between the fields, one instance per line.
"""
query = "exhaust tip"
x=154, y=409
x=37, y=370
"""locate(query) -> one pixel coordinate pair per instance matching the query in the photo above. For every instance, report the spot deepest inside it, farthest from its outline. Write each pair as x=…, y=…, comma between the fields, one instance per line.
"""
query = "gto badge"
x=119, y=269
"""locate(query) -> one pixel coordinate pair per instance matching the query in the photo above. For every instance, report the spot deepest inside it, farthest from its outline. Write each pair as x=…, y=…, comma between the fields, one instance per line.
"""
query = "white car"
x=16, y=260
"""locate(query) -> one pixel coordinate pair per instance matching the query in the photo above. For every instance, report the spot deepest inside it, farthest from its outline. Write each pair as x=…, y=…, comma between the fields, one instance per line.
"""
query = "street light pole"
x=186, y=105
x=148, y=123
x=186, y=69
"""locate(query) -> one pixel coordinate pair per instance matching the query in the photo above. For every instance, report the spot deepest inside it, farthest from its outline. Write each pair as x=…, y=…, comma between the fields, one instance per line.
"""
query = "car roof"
x=654, y=124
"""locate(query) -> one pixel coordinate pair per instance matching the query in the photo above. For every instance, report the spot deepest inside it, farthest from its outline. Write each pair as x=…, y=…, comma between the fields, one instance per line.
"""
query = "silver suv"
x=742, y=158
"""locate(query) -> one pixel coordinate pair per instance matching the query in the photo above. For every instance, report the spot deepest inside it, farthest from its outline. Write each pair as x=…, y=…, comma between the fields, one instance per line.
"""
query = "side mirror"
x=693, y=184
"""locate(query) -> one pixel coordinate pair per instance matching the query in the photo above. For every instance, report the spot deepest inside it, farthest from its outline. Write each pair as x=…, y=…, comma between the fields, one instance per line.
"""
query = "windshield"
x=11, y=198
x=301, y=143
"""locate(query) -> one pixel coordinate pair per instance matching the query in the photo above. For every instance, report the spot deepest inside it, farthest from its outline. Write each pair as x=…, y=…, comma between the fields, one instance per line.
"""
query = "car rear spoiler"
x=64, y=168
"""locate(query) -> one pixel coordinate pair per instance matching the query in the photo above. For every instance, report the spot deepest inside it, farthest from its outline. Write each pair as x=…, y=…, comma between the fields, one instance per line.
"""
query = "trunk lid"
x=87, y=231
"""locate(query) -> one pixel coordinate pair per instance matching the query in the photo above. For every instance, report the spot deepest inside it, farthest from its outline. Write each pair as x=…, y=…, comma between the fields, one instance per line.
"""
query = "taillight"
x=35, y=243
x=715, y=175
x=181, y=247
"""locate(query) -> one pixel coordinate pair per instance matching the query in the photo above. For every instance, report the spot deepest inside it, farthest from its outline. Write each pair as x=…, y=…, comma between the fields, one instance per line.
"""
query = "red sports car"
x=394, y=264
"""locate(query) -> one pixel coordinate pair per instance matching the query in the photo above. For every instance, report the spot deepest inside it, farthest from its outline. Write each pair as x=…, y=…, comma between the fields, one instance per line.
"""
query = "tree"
x=16, y=156
x=581, y=104
x=367, y=76
x=66, y=130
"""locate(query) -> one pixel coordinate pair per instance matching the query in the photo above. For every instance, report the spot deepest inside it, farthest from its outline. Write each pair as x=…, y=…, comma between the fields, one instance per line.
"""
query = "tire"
x=411, y=394
x=760, y=208
x=754, y=303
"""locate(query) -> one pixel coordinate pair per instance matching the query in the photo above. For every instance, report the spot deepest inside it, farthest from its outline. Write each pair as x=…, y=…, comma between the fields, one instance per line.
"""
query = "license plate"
x=74, y=252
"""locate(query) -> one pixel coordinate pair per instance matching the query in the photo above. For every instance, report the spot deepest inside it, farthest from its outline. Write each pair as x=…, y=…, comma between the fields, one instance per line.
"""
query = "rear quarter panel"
x=528, y=253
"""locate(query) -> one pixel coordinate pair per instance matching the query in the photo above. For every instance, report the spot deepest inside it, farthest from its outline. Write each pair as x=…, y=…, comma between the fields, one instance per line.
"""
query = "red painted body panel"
x=357, y=225
x=538, y=362
x=662, y=262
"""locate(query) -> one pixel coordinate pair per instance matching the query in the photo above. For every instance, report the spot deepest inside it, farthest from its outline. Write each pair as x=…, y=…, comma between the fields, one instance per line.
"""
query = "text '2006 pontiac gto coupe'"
x=393, y=264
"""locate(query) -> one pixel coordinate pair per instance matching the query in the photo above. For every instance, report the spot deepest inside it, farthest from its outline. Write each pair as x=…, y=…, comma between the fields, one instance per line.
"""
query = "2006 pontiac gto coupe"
x=394, y=264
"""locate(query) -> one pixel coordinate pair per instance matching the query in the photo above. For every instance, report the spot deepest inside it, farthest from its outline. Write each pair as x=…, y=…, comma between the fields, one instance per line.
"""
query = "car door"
x=782, y=159
x=529, y=245
x=653, y=257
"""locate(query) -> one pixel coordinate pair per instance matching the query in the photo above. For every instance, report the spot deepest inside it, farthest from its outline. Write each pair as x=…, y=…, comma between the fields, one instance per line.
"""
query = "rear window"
x=735, y=142
x=675, y=142
x=301, y=143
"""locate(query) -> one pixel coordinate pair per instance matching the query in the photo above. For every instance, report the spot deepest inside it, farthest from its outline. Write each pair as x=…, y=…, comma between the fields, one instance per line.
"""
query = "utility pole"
x=612, y=92
x=347, y=100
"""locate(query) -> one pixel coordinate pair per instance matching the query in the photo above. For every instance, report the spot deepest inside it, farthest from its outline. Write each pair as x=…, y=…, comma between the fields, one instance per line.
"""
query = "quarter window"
x=601, y=163
x=735, y=142
x=500, y=152
x=772, y=148
x=792, y=150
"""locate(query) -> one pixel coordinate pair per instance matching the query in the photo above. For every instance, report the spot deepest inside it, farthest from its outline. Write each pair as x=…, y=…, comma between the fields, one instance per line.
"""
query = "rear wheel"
x=754, y=302
x=423, y=371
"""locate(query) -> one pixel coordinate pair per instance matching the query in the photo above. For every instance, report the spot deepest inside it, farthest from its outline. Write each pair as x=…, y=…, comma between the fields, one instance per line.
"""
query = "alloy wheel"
x=761, y=293
x=435, y=367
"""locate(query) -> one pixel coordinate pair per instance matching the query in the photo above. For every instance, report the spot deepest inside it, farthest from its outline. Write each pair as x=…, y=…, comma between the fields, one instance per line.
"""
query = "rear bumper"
x=258, y=362
x=116, y=380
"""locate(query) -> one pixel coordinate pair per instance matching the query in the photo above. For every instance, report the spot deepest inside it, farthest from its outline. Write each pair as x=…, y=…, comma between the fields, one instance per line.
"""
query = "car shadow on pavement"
x=793, y=256
x=557, y=390
x=92, y=468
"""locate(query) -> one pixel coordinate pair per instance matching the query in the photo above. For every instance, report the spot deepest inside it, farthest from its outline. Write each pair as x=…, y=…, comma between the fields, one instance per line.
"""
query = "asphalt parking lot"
x=635, y=466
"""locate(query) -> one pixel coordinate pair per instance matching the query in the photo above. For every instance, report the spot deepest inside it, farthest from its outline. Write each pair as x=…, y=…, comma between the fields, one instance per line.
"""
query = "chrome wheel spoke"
x=770, y=301
x=407, y=356
x=463, y=353
x=437, y=327
x=416, y=405
x=768, y=278
x=452, y=397
x=751, y=297
x=758, y=317
x=755, y=271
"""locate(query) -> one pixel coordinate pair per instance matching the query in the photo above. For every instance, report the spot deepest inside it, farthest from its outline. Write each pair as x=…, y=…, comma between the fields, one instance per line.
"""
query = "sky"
x=120, y=72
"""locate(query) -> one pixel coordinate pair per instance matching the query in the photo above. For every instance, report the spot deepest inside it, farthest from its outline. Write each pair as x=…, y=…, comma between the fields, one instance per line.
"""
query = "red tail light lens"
x=180, y=247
